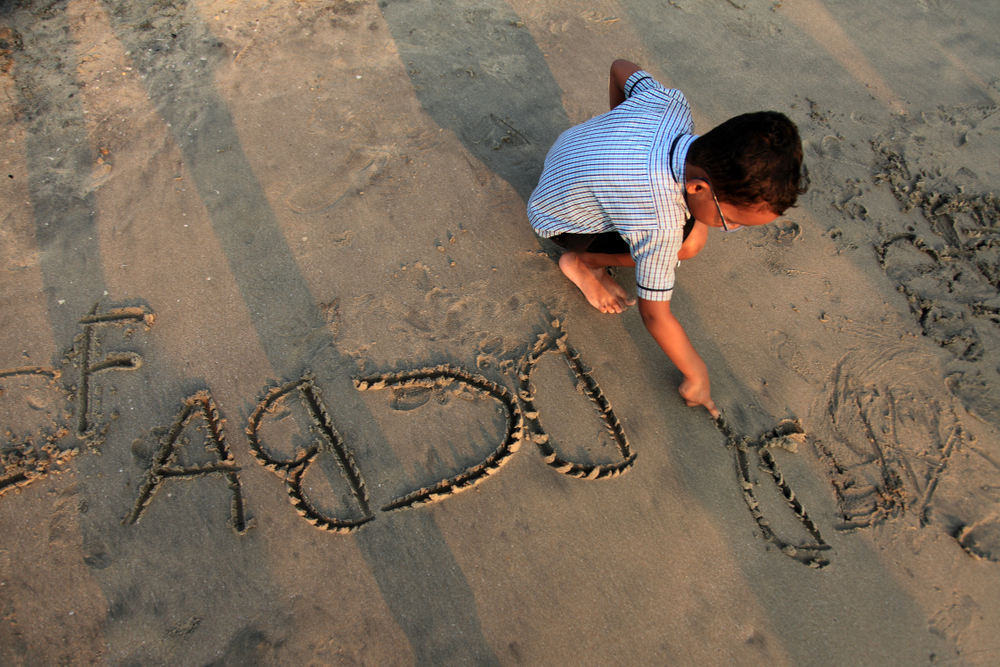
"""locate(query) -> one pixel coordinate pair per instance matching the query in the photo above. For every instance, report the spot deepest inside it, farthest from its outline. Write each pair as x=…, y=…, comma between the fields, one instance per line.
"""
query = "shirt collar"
x=678, y=156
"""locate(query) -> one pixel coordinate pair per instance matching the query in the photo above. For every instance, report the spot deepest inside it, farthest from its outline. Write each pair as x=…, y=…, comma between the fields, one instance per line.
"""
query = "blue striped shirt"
x=615, y=173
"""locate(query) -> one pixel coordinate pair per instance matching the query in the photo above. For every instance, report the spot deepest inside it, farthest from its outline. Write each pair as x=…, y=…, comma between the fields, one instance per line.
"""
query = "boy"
x=634, y=187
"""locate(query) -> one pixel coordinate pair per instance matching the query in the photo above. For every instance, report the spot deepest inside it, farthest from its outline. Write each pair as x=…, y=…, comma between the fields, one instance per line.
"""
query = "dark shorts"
x=607, y=243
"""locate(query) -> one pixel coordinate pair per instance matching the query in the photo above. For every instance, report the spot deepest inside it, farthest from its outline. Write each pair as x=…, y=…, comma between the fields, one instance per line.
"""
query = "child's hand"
x=695, y=394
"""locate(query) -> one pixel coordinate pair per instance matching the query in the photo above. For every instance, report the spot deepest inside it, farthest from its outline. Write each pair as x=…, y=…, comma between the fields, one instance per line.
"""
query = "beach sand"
x=287, y=379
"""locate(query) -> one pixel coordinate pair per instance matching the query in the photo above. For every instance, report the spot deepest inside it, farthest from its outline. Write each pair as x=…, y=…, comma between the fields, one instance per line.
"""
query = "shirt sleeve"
x=644, y=94
x=640, y=82
x=655, y=254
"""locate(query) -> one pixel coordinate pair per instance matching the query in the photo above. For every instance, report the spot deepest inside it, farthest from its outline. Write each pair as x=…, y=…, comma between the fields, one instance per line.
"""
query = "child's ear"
x=696, y=186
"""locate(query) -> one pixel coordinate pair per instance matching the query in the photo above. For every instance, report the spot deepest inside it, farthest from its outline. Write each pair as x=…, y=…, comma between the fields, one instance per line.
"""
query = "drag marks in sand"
x=300, y=403
x=943, y=164
x=21, y=461
x=586, y=385
x=887, y=446
x=51, y=405
x=520, y=416
x=889, y=443
x=291, y=428
x=787, y=434
x=291, y=431
x=86, y=347
x=887, y=423
x=198, y=422
x=446, y=378
x=894, y=446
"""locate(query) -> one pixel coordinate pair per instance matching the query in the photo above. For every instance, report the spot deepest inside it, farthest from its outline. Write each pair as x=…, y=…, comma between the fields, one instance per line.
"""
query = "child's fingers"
x=709, y=405
x=694, y=398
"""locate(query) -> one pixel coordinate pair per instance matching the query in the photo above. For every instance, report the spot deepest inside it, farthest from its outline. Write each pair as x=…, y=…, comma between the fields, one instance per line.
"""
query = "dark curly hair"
x=753, y=158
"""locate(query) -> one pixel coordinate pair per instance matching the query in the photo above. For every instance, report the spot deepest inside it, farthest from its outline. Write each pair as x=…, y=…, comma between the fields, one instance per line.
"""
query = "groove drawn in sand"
x=278, y=448
x=943, y=164
x=441, y=376
x=526, y=394
x=291, y=467
x=522, y=419
x=807, y=554
x=495, y=132
x=21, y=461
x=926, y=282
x=889, y=440
x=30, y=370
x=165, y=463
x=292, y=470
x=86, y=347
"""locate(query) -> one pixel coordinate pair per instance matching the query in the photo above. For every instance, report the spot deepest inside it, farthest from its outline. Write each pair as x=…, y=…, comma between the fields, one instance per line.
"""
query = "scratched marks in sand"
x=895, y=447
x=521, y=419
x=888, y=440
x=887, y=444
x=197, y=422
x=441, y=378
x=22, y=461
x=286, y=458
x=786, y=434
x=943, y=164
x=34, y=440
x=290, y=432
x=86, y=348
x=289, y=452
x=588, y=386
x=896, y=443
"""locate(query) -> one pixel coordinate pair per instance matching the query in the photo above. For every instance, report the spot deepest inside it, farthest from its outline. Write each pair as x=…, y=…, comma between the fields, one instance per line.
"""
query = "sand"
x=286, y=378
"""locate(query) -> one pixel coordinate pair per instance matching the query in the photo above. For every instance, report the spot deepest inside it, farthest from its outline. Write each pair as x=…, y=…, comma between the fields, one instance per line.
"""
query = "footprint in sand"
x=320, y=194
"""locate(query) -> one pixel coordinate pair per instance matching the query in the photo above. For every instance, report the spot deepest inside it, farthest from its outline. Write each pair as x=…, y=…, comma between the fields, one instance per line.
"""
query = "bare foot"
x=614, y=289
x=596, y=284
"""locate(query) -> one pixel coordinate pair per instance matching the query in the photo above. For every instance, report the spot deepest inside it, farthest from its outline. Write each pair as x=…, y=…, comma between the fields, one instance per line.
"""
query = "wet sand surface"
x=286, y=378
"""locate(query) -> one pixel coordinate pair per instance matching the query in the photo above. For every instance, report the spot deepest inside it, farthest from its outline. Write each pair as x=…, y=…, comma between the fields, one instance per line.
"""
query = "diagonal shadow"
x=420, y=580
x=477, y=71
x=706, y=71
x=59, y=162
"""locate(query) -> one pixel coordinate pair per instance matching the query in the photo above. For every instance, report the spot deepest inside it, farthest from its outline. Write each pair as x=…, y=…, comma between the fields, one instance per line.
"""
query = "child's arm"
x=672, y=339
x=621, y=70
x=694, y=242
